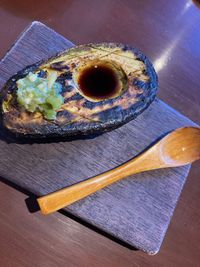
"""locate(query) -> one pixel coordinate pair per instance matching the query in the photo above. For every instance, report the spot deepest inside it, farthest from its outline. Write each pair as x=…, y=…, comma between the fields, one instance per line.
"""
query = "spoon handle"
x=66, y=196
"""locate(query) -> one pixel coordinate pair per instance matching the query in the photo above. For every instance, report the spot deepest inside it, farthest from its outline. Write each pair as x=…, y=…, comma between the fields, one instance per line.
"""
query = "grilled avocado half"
x=103, y=86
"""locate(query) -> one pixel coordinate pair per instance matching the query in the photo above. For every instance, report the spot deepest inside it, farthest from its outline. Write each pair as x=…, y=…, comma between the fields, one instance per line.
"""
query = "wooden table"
x=169, y=34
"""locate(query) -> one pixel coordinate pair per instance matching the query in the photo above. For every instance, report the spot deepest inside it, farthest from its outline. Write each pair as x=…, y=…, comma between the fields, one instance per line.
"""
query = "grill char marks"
x=59, y=66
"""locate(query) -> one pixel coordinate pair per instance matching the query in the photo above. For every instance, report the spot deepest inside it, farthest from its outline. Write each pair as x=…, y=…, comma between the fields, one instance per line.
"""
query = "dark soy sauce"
x=98, y=82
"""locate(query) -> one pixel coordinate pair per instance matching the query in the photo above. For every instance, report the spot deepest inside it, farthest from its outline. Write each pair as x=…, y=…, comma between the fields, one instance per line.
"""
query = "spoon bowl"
x=181, y=147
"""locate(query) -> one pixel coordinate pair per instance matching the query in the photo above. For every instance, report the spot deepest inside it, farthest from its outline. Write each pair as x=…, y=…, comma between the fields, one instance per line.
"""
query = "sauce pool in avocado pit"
x=98, y=82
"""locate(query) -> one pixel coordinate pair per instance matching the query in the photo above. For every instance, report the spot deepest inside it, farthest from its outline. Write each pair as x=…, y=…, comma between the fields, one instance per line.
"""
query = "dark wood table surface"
x=169, y=33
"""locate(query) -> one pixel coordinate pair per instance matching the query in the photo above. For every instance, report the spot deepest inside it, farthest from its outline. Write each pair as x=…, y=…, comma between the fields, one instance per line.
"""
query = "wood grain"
x=44, y=168
x=152, y=26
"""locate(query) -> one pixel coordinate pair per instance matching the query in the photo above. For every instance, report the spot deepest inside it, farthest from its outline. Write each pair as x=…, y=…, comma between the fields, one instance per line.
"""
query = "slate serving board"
x=136, y=210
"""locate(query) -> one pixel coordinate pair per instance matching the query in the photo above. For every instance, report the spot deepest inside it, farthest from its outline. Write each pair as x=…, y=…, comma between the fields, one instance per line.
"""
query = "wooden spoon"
x=178, y=148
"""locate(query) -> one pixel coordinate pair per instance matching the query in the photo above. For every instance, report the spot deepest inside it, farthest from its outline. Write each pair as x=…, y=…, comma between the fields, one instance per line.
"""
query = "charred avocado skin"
x=78, y=115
